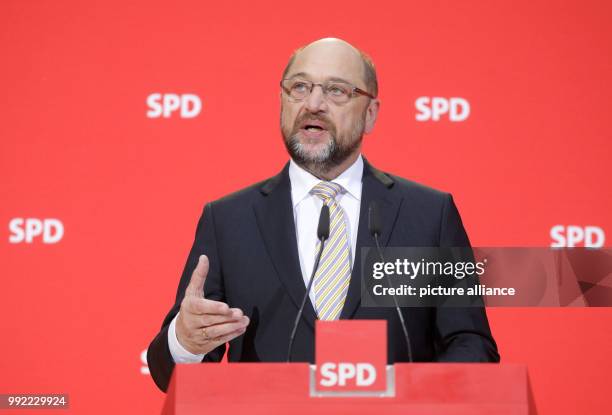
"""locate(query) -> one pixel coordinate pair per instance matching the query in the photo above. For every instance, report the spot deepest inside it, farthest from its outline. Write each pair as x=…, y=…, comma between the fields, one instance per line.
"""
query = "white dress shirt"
x=306, y=211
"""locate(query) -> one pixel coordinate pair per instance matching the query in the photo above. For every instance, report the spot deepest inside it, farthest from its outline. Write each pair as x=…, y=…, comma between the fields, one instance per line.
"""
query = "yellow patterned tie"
x=334, y=272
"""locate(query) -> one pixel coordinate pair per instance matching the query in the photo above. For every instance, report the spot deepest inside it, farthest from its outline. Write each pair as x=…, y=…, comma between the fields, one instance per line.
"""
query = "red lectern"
x=350, y=377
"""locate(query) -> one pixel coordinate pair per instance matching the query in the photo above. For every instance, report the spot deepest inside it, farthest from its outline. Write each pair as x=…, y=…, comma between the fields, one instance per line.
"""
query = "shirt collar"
x=303, y=181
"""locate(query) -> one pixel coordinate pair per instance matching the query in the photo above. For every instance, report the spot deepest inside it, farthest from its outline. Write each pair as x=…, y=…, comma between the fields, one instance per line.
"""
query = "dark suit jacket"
x=250, y=239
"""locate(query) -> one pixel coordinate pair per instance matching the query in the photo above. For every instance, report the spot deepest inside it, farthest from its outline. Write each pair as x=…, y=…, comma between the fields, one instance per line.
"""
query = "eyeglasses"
x=335, y=91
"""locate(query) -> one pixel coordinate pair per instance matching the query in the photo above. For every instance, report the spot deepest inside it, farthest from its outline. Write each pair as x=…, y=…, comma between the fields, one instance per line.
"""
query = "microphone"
x=322, y=235
x=375, y=228
x=323, y=228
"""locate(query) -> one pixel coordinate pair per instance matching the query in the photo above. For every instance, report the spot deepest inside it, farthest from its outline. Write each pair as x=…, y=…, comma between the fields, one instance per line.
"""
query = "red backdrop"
x=127, y=189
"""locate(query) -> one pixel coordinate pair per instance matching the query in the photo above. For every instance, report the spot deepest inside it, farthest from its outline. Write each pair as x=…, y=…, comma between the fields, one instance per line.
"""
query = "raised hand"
x=203, y=325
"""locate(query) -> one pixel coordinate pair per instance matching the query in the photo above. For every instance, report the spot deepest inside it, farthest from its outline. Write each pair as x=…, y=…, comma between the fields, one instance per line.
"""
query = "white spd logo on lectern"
x=362, y=374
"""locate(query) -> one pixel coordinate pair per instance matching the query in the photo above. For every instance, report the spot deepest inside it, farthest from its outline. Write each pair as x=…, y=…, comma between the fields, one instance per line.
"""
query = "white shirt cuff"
x=178, y=352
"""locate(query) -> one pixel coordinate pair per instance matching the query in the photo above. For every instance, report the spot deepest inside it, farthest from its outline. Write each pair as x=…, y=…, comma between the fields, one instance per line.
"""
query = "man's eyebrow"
x=332, y=78
x=336, y=79
x=295, y=75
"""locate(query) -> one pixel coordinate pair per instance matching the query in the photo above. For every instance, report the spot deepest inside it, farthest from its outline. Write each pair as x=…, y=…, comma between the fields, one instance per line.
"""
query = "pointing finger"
x=198, y=278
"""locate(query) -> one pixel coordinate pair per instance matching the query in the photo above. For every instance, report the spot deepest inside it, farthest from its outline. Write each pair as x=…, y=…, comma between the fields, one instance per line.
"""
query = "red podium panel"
x=350, y=378
x=280, y=388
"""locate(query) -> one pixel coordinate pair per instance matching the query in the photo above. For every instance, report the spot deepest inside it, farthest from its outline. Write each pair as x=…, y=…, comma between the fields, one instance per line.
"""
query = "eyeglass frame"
x=354, y=89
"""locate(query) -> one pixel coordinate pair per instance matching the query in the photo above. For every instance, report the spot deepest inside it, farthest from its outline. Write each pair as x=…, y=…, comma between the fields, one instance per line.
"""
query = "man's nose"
x=316, y=102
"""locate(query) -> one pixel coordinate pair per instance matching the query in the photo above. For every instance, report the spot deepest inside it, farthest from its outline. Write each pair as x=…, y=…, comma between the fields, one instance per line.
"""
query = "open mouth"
x=313, y=128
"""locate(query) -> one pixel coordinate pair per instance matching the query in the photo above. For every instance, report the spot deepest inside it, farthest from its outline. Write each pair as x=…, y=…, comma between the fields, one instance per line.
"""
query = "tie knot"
x=327, y=190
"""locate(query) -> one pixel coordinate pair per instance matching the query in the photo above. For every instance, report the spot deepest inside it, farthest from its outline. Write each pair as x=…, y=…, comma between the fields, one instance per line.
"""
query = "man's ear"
x=371, y=115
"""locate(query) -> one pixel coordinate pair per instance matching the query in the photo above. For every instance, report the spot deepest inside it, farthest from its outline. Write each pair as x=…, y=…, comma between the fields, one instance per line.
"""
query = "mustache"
x=309, y=118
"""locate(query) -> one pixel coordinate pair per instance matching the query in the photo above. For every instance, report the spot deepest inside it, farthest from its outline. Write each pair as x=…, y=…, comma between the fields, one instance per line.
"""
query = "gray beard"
x=325, y=160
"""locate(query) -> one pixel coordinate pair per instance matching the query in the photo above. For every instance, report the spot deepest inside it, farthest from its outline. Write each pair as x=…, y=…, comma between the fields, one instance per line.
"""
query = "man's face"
x=318, y=133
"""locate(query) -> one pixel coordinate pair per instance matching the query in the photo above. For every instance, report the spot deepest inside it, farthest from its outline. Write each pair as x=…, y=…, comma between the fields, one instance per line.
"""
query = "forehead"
x=327, y=61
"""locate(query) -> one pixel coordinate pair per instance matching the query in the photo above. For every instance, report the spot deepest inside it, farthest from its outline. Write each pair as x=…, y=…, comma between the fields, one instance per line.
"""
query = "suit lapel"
x=376, y=186
x=274, y=212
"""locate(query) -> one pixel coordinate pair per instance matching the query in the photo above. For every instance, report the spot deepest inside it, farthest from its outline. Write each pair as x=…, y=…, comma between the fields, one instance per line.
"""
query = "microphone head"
x=323, y=228
x=374, y=222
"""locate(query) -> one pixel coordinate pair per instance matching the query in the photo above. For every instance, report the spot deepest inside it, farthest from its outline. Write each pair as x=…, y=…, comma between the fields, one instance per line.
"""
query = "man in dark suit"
x=254, y=250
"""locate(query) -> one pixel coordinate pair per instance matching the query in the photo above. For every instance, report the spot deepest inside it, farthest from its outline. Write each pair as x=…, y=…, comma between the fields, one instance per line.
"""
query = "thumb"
x=196, y=284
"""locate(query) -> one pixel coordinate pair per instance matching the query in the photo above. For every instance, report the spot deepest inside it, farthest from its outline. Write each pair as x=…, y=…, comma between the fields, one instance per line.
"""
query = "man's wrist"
x=178, y=352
